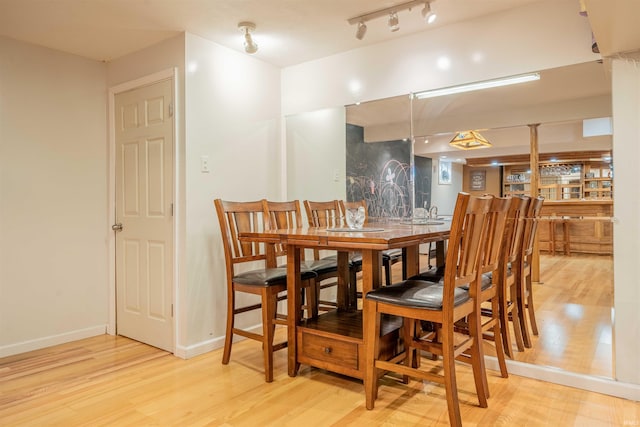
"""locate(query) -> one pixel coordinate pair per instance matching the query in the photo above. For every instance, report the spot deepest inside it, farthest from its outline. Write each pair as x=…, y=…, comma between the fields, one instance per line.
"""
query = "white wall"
x=233, y=117
x=444, y=195
x=53, y=204
x=316, y=155
x=626, y=209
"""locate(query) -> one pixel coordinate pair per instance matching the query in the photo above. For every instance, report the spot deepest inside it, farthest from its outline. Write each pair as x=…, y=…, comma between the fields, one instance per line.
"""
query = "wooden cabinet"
x=334, y=341
x=562, y=181
x=588, y=222
x=598, y=181
x=516, y=180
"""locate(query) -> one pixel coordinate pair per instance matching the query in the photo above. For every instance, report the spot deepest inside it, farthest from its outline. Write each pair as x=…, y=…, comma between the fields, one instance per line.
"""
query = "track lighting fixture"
x=392, y=16
x=428, y=14
x=250, y=46
x=361, y=31
x=394, y=24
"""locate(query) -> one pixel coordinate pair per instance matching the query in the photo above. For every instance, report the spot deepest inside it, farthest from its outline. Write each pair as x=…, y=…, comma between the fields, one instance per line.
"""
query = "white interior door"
x=144, y=189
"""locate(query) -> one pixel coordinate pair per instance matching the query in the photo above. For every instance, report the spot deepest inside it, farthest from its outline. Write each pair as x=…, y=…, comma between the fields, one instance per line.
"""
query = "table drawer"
x=330, y=350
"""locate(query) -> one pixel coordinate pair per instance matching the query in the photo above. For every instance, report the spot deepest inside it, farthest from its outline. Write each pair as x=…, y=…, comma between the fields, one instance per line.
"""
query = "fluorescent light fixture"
x=521, y=78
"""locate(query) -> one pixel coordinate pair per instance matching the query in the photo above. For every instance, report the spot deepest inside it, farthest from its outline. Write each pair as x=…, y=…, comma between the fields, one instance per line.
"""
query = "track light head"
x=428, y=14
x=250, y=46
x=361, y=31
x=394, y=24
x=391, y=13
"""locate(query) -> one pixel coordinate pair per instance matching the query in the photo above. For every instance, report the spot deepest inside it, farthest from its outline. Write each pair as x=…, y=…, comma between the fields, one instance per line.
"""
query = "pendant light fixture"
x=469, y=140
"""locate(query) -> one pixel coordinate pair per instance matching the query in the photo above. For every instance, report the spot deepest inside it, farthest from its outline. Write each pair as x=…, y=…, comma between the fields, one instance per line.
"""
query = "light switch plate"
x=204, y=164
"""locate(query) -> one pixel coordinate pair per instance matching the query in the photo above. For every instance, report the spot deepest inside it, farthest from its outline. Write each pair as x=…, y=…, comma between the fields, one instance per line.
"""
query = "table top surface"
x=375, y=235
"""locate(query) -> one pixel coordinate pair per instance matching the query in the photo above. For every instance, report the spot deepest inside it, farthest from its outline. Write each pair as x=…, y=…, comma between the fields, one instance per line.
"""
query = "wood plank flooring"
x=573, y=306
x=113, y=381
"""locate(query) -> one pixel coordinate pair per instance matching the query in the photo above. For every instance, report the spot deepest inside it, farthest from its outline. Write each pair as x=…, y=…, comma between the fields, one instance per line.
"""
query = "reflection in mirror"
x=573, y=299
x=379, y=159
x=574, y=296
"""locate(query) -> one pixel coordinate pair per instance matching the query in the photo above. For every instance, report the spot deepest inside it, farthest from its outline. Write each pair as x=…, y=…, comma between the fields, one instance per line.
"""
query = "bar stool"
x=566, y=240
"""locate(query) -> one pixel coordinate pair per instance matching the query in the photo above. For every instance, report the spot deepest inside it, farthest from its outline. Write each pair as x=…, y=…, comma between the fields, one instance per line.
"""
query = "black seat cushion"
x=355, y=259
x=392, y=254
x=417, y=294
x=487, y=278
x=268, y=276
x=433, y=274
x=320, y=266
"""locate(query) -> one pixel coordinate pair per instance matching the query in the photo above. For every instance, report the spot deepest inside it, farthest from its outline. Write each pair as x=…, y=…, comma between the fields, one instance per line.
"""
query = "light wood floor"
x=573, y=304
x=112, y=381
x=574, y=311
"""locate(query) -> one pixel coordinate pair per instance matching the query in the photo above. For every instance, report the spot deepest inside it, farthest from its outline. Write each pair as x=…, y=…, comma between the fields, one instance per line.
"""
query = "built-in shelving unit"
x=562, y=181
x=598, y=181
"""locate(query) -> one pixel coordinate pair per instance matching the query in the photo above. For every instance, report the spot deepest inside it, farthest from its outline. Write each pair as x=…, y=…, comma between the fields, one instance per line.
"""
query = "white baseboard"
x=552, y=375
x=38, y=343
x=209, y=345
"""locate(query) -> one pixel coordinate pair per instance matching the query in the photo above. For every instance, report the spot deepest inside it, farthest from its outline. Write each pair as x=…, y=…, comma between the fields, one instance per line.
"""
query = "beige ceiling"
x=288, y=31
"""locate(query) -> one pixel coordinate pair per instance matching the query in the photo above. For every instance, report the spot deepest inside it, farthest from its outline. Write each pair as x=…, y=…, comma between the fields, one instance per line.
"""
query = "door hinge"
x=171, y=109
x=171, y=310
x=171, y=209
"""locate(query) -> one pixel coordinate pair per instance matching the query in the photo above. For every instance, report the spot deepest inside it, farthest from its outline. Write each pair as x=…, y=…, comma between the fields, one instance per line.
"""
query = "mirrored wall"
x=376, y=148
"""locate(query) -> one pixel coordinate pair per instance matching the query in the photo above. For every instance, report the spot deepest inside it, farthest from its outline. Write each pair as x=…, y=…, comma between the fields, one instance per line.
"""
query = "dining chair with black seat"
x=492, y=252
x=443, y=304
x=288, y=214
x=328, y=214
x=525, y=294
x=268, y=282
x=491, y=287
x=389, y=256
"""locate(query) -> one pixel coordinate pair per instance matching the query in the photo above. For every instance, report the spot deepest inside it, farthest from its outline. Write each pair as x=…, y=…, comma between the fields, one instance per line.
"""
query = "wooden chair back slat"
x=514, y=233
x=465, y=241
x=493, y=243
x=532, y=220
x=237, y=217
x=323, y=214
x=283, y=215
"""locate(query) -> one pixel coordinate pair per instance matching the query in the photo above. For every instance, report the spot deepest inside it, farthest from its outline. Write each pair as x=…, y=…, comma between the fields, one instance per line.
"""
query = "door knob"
x=117, y=227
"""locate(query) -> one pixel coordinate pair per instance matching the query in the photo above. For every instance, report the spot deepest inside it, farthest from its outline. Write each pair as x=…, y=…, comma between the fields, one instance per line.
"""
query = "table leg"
x=343, y=298
x=440, y=252
x=371, y=270
x=293, y=306
x=411, y=261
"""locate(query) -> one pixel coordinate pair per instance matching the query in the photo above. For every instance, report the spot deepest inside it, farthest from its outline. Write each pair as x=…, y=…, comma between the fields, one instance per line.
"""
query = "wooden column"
x=535, y=181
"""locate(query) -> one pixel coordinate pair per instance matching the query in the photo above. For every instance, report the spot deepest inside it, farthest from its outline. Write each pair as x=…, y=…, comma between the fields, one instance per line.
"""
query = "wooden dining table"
x=334, y=340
